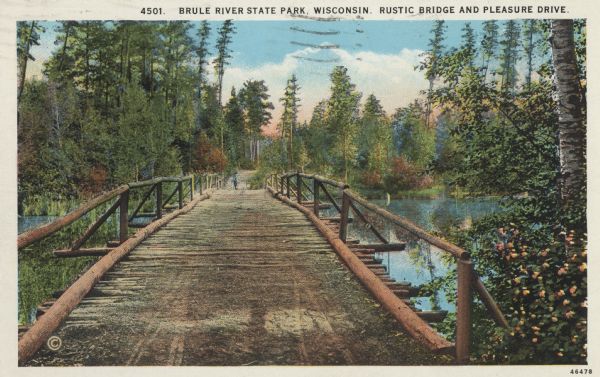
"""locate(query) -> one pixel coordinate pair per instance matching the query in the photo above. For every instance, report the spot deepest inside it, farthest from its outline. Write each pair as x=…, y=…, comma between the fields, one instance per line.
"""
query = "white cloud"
x=390, y=77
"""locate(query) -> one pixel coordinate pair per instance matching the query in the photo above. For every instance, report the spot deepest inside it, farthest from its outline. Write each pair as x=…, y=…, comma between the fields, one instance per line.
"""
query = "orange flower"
x=572, y=290
x=542, y=293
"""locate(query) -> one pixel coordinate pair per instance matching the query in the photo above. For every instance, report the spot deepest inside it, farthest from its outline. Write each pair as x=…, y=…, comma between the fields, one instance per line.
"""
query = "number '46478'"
x=581, y=371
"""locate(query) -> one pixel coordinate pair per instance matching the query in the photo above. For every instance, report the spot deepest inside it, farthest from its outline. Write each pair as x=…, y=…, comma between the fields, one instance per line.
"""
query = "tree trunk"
x=24, y=62
x=64, y=47
x=571, y=122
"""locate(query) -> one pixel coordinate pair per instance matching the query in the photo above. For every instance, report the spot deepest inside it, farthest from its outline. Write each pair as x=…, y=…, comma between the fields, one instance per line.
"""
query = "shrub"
x=406, y=176
x=538, y=277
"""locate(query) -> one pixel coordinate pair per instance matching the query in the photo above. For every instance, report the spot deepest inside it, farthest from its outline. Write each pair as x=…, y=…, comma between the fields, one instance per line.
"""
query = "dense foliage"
x=123, y=100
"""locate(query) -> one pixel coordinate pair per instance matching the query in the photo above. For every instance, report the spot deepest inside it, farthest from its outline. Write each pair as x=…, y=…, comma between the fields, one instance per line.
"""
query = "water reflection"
x=420, y=263
x=29, y=222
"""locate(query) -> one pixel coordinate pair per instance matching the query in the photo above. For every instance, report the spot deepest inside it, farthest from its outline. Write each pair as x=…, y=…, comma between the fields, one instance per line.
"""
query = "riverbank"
x=433, y=192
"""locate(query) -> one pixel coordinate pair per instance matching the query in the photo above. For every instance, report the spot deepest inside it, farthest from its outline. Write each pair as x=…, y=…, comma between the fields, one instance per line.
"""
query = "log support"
x=123, y=217
x=463, y=309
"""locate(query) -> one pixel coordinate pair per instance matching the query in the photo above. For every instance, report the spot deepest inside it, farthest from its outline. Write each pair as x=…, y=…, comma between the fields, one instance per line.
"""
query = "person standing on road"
x=235, y=180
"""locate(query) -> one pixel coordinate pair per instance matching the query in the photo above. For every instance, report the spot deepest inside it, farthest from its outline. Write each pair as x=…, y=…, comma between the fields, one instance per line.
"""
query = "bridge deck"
x=241, y=279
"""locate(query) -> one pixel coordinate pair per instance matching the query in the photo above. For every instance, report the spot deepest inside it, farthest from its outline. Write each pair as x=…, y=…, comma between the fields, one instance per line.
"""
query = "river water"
x=420, y=262
x=29, y=222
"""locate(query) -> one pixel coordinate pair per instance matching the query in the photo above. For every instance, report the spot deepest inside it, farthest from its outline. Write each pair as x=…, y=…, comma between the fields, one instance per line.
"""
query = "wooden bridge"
x=243, y=277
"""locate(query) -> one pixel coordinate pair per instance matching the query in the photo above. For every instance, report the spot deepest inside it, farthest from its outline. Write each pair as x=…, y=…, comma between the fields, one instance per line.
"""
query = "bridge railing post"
x=123, y=217
x=463, y=308
x=316, y=197
x=192, y=187
x=298, y=188
x=180, y=193
x=281, y=185
x=344, y=216
x=159, y=199
x=287, y=183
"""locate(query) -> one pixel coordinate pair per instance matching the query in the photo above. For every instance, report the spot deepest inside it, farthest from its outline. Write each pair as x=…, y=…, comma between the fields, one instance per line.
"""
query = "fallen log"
x=93, y=251
x=380, y=247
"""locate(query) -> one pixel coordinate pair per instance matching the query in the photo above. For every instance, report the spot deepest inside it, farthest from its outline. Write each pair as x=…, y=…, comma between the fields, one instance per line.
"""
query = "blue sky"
x=380, y=56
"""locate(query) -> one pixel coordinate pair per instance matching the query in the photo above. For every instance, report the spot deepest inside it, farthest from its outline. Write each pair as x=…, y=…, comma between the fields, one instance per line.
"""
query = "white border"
x=11, y=11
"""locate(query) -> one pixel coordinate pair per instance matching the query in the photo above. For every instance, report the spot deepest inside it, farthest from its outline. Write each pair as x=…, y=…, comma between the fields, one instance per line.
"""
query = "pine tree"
x=202, y=54
x=509, y=55
x=530, y=34
x=375, y=138
x=234, y=118
x=489, y=44
x=433, y=56
x=289, y=117
x=342, y=117
x=319, y=139
x=28, y=34
x=223, y=53
x=468, y=50
x=255, y=101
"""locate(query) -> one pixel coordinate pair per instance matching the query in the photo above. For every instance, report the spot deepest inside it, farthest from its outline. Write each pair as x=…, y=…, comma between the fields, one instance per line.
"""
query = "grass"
x=40, y=273
x=42, y=205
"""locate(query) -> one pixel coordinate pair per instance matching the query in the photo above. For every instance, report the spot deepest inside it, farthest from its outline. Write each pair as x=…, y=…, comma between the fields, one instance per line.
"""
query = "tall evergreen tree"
x=223, y=53
x=28, y=34
x=433, y=56
x=255, y=101
x=509, y=55
x=468, y=47
x=489, y=44
x=289, y=117
x=530, y=35
x=234, y=119
x=202, y=54
x=342, y=117
x=375, y=138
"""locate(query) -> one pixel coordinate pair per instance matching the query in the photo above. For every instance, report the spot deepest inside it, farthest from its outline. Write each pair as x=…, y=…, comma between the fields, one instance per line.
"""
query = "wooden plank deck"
x=240, y=280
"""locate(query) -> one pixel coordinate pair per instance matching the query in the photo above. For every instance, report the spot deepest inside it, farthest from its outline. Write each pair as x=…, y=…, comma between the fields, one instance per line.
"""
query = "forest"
x=504, y=115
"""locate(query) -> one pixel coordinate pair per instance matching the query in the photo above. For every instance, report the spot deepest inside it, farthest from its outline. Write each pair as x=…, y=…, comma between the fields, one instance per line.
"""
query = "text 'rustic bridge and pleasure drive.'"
x=224, y=276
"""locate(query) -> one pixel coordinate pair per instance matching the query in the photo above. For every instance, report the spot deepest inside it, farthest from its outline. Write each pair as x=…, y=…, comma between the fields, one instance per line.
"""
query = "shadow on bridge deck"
x=240, y=280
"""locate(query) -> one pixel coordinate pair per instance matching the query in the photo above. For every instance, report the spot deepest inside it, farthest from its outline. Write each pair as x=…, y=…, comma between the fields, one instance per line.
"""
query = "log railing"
x=467, y=279
x=185, y=187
